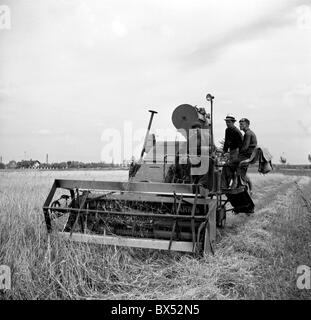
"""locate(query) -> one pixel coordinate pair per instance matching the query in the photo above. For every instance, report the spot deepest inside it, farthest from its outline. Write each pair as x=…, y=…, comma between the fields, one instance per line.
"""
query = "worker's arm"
x=226, y=147
x=246, y=142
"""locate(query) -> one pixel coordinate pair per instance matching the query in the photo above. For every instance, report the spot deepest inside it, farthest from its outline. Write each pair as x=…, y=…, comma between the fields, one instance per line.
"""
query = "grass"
x=256, y=257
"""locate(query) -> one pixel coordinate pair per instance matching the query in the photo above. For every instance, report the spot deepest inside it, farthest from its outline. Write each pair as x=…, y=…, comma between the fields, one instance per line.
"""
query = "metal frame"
x=155, y=192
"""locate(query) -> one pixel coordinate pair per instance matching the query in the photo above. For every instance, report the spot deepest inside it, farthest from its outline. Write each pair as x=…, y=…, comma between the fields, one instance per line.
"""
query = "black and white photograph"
x=155, y=154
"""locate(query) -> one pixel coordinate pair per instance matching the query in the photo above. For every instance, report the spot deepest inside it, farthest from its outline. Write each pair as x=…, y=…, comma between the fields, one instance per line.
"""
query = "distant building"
x=28, y=164
x=35, y=164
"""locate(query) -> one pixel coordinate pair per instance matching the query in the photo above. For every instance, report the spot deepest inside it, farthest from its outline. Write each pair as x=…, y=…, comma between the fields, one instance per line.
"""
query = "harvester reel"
x=161, y=216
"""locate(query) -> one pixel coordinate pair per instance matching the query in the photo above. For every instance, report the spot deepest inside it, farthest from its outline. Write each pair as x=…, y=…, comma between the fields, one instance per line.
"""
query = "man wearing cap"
x=248, y=146
x=232, y=145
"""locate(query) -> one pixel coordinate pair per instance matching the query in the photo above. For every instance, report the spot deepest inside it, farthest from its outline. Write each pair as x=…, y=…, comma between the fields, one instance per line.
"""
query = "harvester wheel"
x=55, y=214
x=221, y=217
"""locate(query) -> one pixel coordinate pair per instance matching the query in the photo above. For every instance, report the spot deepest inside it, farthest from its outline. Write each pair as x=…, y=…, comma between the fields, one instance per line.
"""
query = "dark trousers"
x=242, y=170
x=228, y=174
x=229, y=169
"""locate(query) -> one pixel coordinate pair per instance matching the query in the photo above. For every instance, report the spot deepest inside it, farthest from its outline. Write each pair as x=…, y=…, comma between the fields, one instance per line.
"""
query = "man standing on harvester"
x=232, y=145
x=248, y=146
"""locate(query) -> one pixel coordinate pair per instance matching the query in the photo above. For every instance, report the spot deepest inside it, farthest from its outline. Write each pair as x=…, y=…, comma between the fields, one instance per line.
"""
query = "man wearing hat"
x=232, y=145
x=247, y=148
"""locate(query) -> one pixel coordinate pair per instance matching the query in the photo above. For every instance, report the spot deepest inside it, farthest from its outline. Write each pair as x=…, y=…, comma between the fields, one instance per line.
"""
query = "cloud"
x=301, y=93
x=119, y=28
x=7, y=90
x=210, y=50
x=43, y=132
x=306, y=128
x=302, y=90
x=252, y=106
x=304, y=16
x=5, y=117
x=85, y=65
x=49, y=132
x=225, y=101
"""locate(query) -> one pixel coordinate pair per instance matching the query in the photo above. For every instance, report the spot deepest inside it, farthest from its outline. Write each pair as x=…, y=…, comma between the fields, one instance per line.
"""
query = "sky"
x=78, y=77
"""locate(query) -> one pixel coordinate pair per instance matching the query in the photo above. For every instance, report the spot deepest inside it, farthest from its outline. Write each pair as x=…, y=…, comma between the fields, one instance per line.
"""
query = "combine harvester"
x=163, y=205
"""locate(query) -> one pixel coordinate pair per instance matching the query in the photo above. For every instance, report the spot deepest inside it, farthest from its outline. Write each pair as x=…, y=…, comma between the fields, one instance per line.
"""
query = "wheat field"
x=256, y=257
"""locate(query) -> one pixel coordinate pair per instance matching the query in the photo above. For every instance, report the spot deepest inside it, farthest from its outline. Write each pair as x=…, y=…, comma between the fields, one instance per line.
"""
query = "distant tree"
x=24, y=164
x=81, y=165
x=11, y=164
x=54, y=165
x=283, y=160
x=63, y=165
x=309, y=157
x=2, y=165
